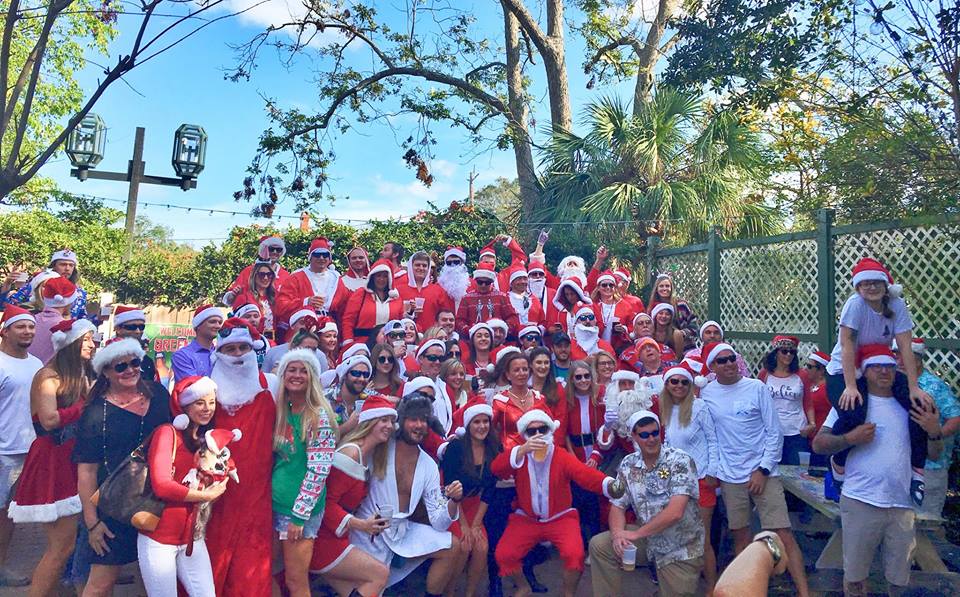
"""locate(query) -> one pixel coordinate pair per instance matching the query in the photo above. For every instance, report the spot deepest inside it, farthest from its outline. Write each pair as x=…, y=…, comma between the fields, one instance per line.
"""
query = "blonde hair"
x=666, y=407
x=432, y=332
x=315, y=403
x=572, y=391
x=361, y=431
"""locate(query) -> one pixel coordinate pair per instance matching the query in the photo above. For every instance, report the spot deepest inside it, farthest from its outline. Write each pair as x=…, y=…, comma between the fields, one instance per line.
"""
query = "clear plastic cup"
x=419, y=302
x=386, y=511
x=804, y=460
x=629, y=561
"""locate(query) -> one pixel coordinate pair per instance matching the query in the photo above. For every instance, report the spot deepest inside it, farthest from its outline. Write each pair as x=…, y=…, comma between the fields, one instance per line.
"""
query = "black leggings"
x=848, y=419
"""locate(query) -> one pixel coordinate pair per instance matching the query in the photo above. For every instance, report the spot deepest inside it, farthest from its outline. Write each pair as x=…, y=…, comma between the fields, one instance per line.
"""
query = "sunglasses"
x=321, y=254
x=535, y=431
x=530, y=337
x=679, y=381
x=264, y=274
x=453, y=262
x=454, y=354
x=883, y=366
x=725, y=360
x=536, y=275
x=396, y=335
x=788, y=351
x=134, y=327
x=275, y=249
x=607, y=285
x=433, y=358
x=385, y=360
x=582, y=376
x=648, y=434
x=484, y=282
x=587, y=317
x=359, y=374
x=813, y=366
x=133, y=363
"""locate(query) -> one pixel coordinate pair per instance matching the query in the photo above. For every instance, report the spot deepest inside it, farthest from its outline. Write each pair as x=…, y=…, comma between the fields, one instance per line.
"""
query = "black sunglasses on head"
x=134, y=327
x=132, y=363
x=535, y=431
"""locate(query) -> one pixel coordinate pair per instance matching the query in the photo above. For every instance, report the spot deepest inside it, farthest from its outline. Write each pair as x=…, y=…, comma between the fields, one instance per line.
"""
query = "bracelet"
x=95, y=525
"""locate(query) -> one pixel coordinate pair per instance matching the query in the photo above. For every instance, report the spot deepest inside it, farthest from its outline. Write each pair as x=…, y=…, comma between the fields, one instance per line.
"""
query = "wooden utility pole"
x=472, y=177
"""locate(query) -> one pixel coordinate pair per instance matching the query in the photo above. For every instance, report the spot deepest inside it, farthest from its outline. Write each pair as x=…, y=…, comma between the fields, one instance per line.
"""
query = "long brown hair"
x=571, y=389
x=655, y=298
x=394, y=382
x=270, y=293
x=551, y=389
x=72, y=371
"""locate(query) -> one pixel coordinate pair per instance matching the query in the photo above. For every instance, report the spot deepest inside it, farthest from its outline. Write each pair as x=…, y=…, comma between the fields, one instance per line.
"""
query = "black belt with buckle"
x=584, y=439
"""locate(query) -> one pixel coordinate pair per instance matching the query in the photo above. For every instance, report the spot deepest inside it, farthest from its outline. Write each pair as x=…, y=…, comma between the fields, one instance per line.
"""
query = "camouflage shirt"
x=649, y=491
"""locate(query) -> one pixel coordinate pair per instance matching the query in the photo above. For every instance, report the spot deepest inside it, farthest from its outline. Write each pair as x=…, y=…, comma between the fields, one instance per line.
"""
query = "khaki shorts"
x=771, y=505
x=10, y=467
x=865, y=528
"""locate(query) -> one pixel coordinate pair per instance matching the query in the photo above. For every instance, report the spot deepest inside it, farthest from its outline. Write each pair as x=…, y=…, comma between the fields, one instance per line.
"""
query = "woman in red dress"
x=47, y=491
x=560, y=316
x=585, y=411
x=554, y=394
x=479, y=346
x=616, y=313
x=373, y=305
x=361, y=452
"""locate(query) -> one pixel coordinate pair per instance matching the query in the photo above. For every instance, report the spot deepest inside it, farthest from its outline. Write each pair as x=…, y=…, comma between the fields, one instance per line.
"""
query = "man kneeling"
x=543, y=475
x=412, y=476
x=662, y=488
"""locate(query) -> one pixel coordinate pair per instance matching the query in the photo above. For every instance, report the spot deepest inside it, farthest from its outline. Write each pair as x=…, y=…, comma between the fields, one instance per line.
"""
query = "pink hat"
x=270, y=240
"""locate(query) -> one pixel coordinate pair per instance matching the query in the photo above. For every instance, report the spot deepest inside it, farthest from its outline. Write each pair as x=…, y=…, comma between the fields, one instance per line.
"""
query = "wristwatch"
x=772, y=547
x=764, y=471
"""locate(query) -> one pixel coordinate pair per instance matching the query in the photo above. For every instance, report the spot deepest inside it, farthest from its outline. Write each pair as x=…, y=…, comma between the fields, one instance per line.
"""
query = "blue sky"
x=186, y=85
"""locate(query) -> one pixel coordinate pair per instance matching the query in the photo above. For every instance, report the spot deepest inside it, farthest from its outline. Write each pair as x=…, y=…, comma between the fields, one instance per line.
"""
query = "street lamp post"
x=85, y=148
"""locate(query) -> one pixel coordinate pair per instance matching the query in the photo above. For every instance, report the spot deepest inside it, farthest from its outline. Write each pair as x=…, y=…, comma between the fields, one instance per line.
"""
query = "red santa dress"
x=346, y=488
x=240, y=530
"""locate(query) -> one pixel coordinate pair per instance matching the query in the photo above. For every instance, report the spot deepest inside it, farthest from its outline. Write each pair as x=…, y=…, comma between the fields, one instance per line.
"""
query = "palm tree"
x=671, y=168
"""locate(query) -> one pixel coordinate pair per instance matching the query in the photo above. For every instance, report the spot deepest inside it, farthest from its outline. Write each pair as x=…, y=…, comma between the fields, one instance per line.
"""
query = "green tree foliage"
x=676, y=168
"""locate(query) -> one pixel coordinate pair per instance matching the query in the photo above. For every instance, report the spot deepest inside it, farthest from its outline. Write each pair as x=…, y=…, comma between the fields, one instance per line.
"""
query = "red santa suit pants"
x=523, y=533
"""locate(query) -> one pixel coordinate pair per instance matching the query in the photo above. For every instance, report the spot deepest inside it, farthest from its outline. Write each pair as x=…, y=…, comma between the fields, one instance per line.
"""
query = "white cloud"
x=266, y=13
x=442, y=168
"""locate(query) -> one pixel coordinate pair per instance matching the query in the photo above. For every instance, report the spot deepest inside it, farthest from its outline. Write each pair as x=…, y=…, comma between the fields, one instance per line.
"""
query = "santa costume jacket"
x=476, y=307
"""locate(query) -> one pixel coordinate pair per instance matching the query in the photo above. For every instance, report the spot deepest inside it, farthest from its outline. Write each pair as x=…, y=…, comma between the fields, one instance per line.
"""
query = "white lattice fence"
x=770, y=288
x=690, y=279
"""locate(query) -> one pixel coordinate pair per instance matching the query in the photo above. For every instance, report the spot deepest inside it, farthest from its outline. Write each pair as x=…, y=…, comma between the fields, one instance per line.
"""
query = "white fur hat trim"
x=301, y=314
x=204, y=315
x=304, y=355
x=536, y=416
x=661, y=307
x=133, y=315
x=197, y=390
x=625, y=376
x=720, y=347
x=639, y=416
x=498, y=323
x=429, y=344
x=79, y=328
x=418, y=383
x=474, y=411
x=128, y=347
x=710, y=323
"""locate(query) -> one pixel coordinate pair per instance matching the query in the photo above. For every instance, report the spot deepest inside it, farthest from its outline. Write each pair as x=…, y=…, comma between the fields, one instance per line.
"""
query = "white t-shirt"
x=787, y=394
x=16, y=427
x=871, y=327
x=748, y=430
x=878, y=473
x=698, y=439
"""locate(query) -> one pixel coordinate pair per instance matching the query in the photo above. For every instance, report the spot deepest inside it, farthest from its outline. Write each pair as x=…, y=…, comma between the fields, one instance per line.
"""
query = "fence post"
x=826, y=297
x=713, y=275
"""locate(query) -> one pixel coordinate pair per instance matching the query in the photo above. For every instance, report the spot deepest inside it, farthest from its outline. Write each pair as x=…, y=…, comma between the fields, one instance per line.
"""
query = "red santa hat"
x=382, y=265
x=576, y=286
x=536, y=265
x=517, y=272
x=484, y=270
x=607, y=276
x=12, y=314
x=583, y=309
x=660, y=307
x=871, y=269
x=59, y=292
x=238, y=331
x=497, y=355
x=298, y=315
x=473, y=408
x=497, y=323
x=63, y=255
x=711, y=350
x=217, y=440
x=376, y=406
x=353, y=351
x=69, y=331
x=187, y=391
x=418, y=383
x=710, y=323
x=638, y=416
x=270, y=240
x=819, y=357
x=916, y=344
x=325, y=324
x=455, y=252
x=782, y=341
x=320, y=244
x=875, y=354
x=689, y=369
x=126, y=314
x=203, y=313
x=622, y=375
x=480, y=325
x=427, y=344
x=624, y=274
x=536, y=415
x=530, y=328
x=489, y=249
x=115, y=349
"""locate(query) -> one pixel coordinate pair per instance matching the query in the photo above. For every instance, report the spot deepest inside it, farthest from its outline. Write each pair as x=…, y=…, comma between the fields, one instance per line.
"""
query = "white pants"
x=161, y=565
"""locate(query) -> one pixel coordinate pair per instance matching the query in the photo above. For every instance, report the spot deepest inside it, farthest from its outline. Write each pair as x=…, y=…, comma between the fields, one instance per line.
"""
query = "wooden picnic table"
x=809, y=488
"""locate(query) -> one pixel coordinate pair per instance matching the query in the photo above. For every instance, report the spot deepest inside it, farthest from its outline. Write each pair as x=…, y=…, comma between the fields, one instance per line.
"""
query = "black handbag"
x=126, y=495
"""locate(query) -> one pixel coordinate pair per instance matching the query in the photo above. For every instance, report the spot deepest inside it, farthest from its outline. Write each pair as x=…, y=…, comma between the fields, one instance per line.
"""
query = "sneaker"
x=917, y=491
x=12, y=579
x=586, y=561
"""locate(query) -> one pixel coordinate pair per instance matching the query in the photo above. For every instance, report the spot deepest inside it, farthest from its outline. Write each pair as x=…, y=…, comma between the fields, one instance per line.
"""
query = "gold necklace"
x=521, y=399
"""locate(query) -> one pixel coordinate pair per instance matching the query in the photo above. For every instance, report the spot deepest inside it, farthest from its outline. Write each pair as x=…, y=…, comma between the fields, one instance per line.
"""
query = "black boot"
x=535, y=585
x=496, y=587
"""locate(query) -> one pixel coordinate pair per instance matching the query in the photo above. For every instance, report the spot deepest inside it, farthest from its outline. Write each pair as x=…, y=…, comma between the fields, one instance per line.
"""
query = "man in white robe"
x=411, y=476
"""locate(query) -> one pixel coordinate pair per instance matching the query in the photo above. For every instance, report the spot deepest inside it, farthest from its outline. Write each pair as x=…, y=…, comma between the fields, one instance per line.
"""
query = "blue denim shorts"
x=310, y=528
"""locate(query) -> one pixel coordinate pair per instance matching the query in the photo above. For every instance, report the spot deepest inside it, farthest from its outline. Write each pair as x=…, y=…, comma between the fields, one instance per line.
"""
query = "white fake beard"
x=237, y=379
x=537, y=286
x=454, y=280
x=628, y=402
x=587, y=337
